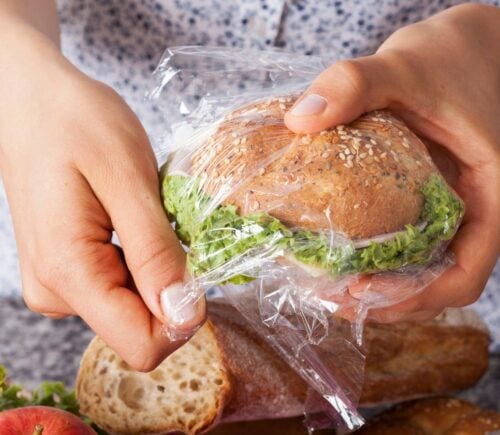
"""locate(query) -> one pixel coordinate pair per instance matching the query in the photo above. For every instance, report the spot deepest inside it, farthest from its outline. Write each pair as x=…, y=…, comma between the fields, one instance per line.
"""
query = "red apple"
x=42, y=420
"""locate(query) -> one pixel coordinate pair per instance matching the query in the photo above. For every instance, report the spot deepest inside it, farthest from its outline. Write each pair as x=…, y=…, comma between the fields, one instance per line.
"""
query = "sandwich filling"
x=221, y=236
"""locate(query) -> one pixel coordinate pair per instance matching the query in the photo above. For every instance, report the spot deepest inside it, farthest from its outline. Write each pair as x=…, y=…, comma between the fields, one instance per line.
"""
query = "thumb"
x=153, y=254
x=342, y=93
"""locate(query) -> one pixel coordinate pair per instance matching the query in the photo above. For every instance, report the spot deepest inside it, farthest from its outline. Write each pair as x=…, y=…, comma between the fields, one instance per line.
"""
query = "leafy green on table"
x=53, y=394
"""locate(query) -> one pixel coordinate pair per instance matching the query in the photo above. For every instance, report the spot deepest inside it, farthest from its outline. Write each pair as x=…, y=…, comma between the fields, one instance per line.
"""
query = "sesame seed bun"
x=361, y=179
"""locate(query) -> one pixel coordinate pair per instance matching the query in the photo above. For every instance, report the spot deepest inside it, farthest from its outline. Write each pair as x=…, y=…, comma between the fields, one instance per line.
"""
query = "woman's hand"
x=77, y=165
x=442, y=76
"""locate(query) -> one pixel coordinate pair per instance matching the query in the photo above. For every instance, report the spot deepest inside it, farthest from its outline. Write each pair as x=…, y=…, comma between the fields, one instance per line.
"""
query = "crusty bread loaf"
x=286, y=426
x=418, y=359
x=186, y=393
x=227, y=373
x=364, y=179
x=434, y=416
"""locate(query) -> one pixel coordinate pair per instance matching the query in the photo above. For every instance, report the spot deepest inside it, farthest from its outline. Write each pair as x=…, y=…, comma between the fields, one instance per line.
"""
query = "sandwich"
x=361, y=198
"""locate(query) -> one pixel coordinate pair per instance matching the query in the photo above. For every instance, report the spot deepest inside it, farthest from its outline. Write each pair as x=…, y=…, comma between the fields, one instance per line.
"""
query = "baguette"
x=434, y=416
x=227, y=373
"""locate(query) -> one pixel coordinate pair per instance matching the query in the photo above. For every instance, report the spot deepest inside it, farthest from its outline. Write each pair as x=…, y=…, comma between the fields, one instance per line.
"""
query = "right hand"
x=77, y=165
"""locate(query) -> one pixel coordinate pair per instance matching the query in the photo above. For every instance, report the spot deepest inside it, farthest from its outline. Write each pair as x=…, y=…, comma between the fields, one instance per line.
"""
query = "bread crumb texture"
x=185, y=394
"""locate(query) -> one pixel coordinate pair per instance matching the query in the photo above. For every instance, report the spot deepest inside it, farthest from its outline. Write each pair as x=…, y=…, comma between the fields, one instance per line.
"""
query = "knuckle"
x=158, y=257
x=49, y=273
x=34, y=301
x=353, y=74
x=471, y=296
x=466, y=9
x=33, y=297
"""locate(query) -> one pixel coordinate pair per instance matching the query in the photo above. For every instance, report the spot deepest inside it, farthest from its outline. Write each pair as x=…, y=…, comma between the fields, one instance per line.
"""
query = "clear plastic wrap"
x=298, y=232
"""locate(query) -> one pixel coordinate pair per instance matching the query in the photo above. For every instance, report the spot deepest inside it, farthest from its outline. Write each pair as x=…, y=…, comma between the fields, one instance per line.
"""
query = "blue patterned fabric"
x=120, y=42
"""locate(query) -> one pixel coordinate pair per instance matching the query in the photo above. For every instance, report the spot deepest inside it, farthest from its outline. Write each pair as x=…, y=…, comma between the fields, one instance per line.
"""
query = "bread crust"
x=361, y=179
x=262, y=384
x=403, y=361
x=422, y=359
x=434, y=416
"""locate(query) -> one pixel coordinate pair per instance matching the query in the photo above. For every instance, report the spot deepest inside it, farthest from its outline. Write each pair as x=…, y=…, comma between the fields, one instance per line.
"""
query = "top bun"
x=362, y=179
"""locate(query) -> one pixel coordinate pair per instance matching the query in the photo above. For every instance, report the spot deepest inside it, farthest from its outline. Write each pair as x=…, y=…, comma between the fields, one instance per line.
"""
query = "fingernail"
x=312, y=104
x=181, y=305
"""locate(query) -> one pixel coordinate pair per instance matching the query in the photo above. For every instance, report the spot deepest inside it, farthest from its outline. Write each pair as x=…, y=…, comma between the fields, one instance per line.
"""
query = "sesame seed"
x=282, y=106
x=347, y=151
x=372, y=141
x=261, y=171
x=377, y=159
x=349, y=164
x=362, y=155
x=306, y=139
x=383, y=155
x=325, y=155
x=400, y=133
x=350, y=157
x=370, y=151
x=244, y=139
x=342, y=156
x=323, y=133
x=418, y=162
x=356, y=206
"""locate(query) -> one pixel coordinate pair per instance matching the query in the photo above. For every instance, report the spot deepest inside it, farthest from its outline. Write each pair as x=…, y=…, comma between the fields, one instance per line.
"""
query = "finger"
x=130, y=193
x=475, y=257
x=391, y=316
x=342, y=93
x=117, y=314
x=402, y=293
x=88, y=273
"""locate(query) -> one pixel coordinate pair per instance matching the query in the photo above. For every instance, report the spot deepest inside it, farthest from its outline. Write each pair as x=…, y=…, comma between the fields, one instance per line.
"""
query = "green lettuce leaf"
x=223, y=236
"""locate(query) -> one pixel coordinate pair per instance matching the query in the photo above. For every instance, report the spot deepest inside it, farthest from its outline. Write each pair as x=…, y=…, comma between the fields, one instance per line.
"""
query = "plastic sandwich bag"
x=247, y=200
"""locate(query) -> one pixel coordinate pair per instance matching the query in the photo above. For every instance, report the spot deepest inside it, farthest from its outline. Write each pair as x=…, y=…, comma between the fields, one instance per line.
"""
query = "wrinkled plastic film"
x=245, y=195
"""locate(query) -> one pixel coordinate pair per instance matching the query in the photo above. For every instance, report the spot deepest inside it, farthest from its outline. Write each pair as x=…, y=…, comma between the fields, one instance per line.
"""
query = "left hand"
x=442, y=77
